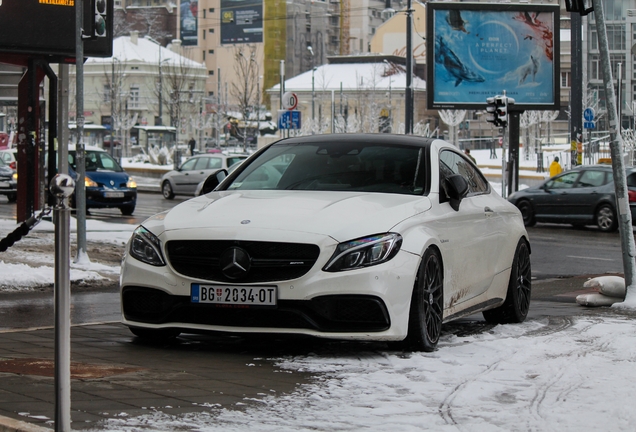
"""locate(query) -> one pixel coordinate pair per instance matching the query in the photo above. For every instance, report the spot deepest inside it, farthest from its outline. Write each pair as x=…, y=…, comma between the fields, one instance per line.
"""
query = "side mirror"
x=456, y=188
x=213, y=181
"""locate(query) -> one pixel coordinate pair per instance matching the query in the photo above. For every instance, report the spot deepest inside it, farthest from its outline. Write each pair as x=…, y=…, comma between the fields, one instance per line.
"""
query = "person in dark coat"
x=192, y=143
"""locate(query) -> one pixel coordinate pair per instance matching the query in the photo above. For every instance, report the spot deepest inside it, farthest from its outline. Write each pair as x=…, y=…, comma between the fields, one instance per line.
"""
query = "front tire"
x=166, y=190
x=515, y=308
x=527, y=212
x=127, y=210
x=606, y=218
x=427, y=305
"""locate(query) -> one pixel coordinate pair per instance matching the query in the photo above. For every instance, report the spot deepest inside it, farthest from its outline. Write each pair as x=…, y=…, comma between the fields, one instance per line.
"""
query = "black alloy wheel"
x=427, y=304
x=515, y=308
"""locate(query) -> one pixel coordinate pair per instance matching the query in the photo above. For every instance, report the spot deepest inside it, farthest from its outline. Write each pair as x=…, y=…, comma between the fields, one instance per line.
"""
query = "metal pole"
x=218, y=106
x=313, y=96
x=616, y=149
x=333, y=111
x=576, y=95
x=62, y=272
x=408, y=114
x=80, y=193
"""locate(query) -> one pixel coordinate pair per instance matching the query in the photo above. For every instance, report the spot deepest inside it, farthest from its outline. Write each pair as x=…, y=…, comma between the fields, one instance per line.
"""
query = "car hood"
x=105, y=178
x=340, y=215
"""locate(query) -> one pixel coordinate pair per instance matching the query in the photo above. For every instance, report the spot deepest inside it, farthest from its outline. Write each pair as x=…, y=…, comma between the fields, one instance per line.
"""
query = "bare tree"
x=179, y=91
x=244, y=86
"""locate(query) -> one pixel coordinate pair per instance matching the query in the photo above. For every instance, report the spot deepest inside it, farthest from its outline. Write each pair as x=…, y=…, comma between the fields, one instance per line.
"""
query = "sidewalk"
x=114, y=375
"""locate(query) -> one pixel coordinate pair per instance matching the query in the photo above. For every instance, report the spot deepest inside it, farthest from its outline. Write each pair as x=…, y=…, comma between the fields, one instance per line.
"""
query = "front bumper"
x=370, y=303
x=98, y=198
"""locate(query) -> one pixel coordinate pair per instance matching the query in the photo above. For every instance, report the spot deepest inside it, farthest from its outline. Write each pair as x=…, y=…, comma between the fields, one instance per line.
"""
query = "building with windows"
x=620, y=20
x=144, y=84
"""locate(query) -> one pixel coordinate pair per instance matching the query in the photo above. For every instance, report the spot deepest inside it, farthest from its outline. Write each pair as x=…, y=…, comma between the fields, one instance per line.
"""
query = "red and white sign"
x=290, y=101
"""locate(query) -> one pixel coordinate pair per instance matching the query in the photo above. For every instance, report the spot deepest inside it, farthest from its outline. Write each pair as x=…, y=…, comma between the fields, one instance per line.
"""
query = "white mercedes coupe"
x=355, y=236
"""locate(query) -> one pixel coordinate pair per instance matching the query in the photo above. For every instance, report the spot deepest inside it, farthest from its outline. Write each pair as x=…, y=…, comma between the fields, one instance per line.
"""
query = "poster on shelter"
x=188, y=22
x=476, y=53
x=241, y=21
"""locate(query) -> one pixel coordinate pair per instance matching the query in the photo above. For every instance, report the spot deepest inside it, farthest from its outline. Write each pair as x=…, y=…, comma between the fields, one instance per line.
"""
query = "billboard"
x=241, y=21
x=47, y=27
x=478, y=50
x=188, y=22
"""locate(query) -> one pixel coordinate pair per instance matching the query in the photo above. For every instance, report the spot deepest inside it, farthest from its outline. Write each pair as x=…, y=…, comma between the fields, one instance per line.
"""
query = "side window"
x=214, y=163
x=566, y=181
x=454, y=163
x=202, y=163
x=592, y=178
x=189, y=164
x=631, y=180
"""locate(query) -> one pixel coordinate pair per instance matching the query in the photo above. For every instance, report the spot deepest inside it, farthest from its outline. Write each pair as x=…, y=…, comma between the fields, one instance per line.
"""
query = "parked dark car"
x=107, y=184
x=8, y=182
x=583, y=196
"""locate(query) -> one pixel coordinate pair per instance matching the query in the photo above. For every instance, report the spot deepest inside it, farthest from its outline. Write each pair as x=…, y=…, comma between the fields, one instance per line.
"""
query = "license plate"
x=233, y=295
x=113, y=194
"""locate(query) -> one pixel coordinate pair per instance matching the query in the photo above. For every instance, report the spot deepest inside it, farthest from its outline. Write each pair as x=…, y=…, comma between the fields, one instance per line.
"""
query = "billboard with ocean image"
x=478, y=50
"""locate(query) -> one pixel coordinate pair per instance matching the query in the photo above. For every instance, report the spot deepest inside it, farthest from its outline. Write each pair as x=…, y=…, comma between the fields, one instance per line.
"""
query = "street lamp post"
x=112, y=108
x=313, y=93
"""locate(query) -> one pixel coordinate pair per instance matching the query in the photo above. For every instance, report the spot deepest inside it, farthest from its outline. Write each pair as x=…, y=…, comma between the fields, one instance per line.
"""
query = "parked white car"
x=364, y=237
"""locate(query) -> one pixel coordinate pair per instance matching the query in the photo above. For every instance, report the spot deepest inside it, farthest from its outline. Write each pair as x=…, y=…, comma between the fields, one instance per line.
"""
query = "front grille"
x=333, y=313
x=269, y=261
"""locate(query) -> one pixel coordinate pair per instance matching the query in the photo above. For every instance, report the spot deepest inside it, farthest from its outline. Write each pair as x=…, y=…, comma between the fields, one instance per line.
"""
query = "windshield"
x=95, y=161
x=336, y=167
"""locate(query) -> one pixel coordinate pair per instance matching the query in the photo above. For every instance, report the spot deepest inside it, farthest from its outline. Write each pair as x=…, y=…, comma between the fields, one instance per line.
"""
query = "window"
x=107, y=93
x=134, y=97
x=566, y=181
x=595, y=68
x=616, y=37
x=615, y=59
x=565, y=80
x=455, y=163
x=211, y=10
x=211, y=51
x=211, y=30
x=210, y=72
x=592, y=178
x=593, y=40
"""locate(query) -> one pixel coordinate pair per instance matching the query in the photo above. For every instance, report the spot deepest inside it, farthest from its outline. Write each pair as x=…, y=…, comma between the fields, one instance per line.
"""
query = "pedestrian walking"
x=555, y=167
x=192, y=143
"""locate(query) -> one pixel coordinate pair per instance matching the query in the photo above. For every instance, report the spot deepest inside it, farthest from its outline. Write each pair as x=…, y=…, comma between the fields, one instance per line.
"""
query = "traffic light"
x=491, y=111
x=100, y=9
x=578, y=6
x=501, y=109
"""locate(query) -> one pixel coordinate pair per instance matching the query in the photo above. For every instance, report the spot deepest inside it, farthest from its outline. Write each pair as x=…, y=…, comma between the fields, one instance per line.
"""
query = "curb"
x=8, y=424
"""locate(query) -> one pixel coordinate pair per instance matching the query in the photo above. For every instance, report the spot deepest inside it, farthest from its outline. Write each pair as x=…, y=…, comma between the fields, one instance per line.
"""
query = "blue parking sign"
x=289, y=119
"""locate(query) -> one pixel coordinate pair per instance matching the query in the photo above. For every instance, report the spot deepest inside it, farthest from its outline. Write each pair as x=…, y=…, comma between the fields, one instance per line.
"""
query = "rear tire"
x=166, y=190
x=606, y=218
x=515, y=308
x=155, y=335
x=427, y=305
x=527, y=212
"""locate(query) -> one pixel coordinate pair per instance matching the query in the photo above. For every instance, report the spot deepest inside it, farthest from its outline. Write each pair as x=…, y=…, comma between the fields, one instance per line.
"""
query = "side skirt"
x=489, y=304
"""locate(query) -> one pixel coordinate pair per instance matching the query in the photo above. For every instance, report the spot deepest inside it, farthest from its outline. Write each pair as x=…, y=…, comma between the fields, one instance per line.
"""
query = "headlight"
x=15, y=176
x=131, y=183
x=146, y=247
x=89, y=183
x=364, y=252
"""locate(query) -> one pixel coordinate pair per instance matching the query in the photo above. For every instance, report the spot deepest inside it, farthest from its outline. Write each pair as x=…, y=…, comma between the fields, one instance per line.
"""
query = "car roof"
x=412, y=140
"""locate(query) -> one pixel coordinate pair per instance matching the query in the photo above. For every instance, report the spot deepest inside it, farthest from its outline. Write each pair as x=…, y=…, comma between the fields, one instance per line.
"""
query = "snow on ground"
x=20, y=277
x=527, y=377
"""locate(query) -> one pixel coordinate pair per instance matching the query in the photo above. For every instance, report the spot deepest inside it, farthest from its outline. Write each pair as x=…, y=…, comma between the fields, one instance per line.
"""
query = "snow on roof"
x=144, y=51
x=352, y=76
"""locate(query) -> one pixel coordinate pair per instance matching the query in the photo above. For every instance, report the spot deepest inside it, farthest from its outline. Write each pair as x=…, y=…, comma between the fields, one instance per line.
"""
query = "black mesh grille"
x=346, y=313
x=270, y=261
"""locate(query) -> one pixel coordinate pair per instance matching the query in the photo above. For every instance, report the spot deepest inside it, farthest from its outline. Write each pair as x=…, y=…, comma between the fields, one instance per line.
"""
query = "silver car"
x=184, y=181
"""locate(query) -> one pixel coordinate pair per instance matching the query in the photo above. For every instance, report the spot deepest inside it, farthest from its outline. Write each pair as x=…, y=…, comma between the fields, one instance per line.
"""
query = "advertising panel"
x=188, y=23
x=47, y=27
x=478, y=50
x=241, y=21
